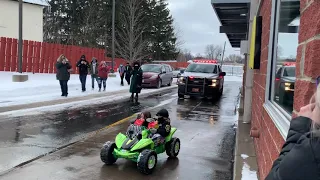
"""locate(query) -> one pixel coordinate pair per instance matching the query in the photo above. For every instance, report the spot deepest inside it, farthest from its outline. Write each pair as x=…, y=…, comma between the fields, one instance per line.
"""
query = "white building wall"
x=32, y=20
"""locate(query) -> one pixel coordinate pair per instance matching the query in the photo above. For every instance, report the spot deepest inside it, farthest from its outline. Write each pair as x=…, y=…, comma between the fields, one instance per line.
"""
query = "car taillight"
x=277, y=79
x=191, y=77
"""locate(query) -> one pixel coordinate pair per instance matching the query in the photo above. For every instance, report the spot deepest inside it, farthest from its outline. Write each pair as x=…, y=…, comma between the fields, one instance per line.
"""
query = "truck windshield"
x=202, y=68
x=289, y=72
x=151, y=68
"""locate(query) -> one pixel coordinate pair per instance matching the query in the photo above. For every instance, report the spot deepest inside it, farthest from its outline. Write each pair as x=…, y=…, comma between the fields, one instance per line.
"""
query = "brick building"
x=289, y=65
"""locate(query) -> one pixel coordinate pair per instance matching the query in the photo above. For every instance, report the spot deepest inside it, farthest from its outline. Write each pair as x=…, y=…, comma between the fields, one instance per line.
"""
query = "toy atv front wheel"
x=147, y=161
x=106, y=153
x=173, y=147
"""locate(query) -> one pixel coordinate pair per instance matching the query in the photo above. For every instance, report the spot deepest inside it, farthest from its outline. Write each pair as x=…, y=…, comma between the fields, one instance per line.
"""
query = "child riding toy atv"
x=140, y=147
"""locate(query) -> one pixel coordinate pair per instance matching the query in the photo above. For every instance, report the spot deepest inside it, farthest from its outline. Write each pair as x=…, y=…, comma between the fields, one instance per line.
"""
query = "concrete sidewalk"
x=245, y=165
x=103, y=97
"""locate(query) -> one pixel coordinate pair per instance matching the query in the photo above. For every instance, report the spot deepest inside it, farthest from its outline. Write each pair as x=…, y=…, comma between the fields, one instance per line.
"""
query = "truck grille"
x=196, y=81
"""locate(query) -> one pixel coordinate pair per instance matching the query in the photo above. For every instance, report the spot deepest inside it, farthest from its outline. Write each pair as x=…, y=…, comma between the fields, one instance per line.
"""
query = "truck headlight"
x=180, y=80
x=287, y=84
x=214, y=81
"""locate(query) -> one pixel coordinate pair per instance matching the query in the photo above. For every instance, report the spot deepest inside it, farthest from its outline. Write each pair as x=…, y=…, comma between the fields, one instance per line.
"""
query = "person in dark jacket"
x=299, y=158
x=63, y=73
x=122, y=70
x=136, y=81
x=128, y=73
x=164, y=127
x=94, y=71
x=83, y=66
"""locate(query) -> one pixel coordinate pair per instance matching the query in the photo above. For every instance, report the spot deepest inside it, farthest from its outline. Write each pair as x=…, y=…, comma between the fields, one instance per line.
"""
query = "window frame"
x=279, y=116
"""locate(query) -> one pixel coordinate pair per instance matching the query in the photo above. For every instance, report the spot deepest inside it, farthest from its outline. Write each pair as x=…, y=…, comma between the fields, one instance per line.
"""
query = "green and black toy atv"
x=140, y=148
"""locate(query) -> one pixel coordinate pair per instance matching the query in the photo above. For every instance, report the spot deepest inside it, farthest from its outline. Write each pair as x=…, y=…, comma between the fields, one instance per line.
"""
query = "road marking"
x=130, y=117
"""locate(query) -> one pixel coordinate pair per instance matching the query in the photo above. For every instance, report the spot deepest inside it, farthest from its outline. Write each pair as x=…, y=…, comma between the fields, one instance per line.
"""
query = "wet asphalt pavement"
x=206, y=131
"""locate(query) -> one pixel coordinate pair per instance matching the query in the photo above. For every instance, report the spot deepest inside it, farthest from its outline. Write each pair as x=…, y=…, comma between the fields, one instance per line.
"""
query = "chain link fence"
x=232, y=70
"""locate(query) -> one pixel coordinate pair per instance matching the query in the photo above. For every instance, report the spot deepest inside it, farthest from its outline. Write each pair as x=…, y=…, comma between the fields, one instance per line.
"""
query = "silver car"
x=177, y=72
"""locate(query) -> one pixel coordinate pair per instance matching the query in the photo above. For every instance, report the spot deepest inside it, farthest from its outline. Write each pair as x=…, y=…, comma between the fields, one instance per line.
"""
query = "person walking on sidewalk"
x=121, y=72
x=136, y=81
x=83, y=66
x=63, y=73
x=94, y=71
x=103, y=73
x=299, y=158
x=128, y=71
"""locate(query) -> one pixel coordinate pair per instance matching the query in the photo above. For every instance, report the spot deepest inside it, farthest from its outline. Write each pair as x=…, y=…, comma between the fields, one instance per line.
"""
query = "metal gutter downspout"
x=249, y=72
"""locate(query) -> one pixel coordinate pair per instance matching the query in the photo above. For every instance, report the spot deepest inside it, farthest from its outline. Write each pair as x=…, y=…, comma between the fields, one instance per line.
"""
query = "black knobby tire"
x=143, y=161
x=221, y=92
x=106, y=153
x=170, y=147
x=170, y=83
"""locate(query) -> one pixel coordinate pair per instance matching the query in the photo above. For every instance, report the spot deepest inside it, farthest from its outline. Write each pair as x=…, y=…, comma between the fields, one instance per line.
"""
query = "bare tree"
x=234, y=58
x=187, y=54
x=178, y=34
x=130, y=43
x=213, y=51
x=181, y=57
x=199, y=56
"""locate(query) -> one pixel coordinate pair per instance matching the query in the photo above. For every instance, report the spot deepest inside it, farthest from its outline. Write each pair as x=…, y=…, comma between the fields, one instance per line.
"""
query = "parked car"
x=177, y=72
x=156, y=75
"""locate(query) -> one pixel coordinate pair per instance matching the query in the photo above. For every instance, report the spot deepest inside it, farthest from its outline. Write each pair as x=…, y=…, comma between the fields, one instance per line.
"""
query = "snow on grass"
x=80, y=104
x=233, y=78
x=45, y=87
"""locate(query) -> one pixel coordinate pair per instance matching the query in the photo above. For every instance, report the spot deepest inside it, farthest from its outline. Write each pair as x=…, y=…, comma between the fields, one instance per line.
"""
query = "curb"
x=95, y=100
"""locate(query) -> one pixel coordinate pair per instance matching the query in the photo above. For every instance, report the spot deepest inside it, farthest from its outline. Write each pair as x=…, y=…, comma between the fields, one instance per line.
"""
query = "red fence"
x=40, y=57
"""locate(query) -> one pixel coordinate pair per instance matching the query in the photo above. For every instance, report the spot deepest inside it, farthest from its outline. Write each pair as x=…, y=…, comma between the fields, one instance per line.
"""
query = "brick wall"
x=308, y=55
x=270, y=142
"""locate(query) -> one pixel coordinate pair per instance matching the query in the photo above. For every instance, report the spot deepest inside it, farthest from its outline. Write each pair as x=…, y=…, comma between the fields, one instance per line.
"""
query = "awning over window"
x=234, y=18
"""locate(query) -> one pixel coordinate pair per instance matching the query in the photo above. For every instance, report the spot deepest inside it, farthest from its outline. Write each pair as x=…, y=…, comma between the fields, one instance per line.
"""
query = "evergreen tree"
x=162, y=35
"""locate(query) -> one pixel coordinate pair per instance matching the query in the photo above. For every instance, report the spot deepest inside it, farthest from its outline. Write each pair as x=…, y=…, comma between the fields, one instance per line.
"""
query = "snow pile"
x=248, y=174
x=233, y=78
x=45, y=87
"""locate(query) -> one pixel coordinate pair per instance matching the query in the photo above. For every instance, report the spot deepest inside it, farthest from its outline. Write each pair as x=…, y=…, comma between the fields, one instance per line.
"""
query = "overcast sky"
x=198, y=24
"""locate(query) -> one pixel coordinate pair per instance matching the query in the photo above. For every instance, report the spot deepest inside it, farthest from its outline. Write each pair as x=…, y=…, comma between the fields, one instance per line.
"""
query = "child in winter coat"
x=103, y=73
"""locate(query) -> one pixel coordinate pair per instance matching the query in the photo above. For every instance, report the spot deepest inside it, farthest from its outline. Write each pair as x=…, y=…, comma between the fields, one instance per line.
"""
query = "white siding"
x=32, y=20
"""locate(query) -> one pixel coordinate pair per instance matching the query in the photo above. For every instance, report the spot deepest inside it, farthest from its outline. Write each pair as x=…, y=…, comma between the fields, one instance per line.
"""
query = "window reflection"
x=287, y=43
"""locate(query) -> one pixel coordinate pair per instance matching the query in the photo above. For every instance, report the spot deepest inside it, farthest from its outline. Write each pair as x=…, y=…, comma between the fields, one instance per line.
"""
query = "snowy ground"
x=45, y=87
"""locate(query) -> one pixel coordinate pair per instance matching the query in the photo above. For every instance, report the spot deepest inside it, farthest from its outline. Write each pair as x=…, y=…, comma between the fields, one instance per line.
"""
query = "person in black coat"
x=63, y=73
x=83, y=66
x=300, y=155
x=128, y=73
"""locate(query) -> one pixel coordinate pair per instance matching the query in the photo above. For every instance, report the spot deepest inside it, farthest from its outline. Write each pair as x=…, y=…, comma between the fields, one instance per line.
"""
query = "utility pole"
x=20, y=36
x=224, y=49
x=113, y=32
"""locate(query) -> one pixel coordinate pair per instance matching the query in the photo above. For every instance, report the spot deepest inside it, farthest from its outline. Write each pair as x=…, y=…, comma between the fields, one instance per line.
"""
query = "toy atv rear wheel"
x=106, y=153
x=147, y=161
x=173, y=147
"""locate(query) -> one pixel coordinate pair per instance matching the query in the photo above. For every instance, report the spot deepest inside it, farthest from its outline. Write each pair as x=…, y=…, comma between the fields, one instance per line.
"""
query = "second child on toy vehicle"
x=164, y=127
